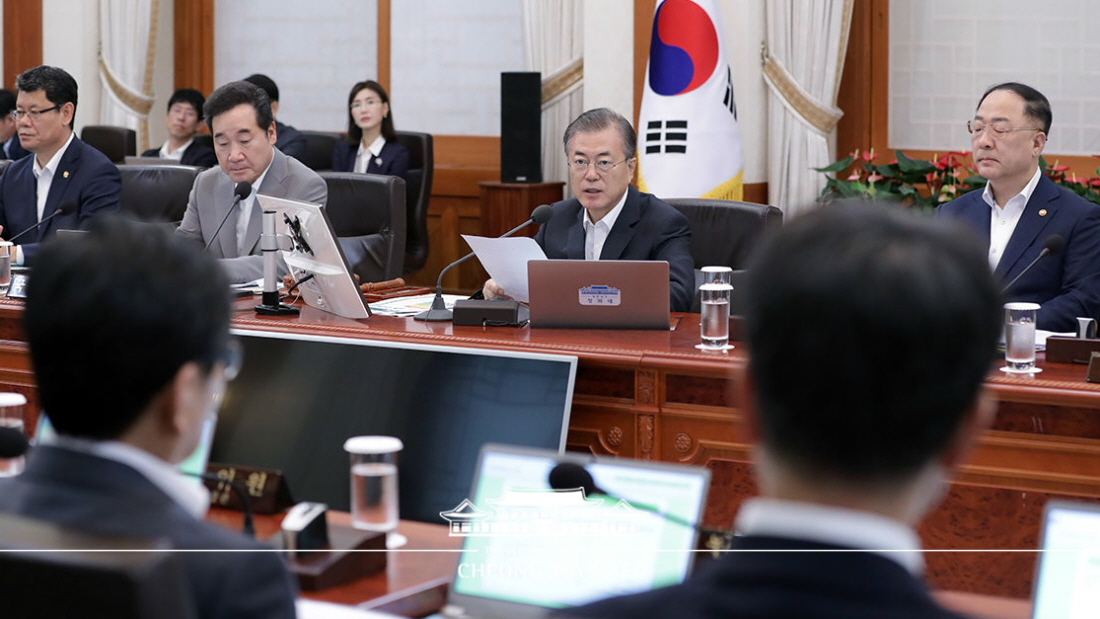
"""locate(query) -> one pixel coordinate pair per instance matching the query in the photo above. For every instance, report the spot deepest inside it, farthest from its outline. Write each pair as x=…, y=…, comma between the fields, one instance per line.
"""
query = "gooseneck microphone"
x=247, y=528
x=1052, y=245
x=12, y=442
x=63, y=209
x=240, y=192
x=439, y=311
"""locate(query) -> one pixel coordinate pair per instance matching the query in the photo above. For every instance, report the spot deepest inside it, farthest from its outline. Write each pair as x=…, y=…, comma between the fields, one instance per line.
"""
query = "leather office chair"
x=156, y=192
x=418, y=193
x=37, y=582
x=367, y=212
x=319, y=145
x=115, y=142
x=724, y=232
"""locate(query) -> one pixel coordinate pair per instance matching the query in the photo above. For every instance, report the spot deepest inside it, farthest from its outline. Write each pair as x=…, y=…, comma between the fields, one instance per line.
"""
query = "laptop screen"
x=1068, y=579
x=527, y=545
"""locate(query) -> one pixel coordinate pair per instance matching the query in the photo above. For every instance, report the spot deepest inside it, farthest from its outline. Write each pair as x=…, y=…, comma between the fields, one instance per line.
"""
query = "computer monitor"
x=315, y=251
x=299, y=397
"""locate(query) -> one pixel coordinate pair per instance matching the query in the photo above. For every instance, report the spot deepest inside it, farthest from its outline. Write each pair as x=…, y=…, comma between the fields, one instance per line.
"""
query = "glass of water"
x=714, y=323
x=5, y=267
x=374, y=481
x=1020, y=337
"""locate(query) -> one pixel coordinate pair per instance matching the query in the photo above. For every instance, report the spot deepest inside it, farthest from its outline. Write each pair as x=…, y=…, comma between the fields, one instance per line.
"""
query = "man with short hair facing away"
x=128, y=330
x=1020, y=209
x=239, y=116
x=9, y=138
x=608, y=219
x=183, y=121
x=63, y=171
x=869, y=332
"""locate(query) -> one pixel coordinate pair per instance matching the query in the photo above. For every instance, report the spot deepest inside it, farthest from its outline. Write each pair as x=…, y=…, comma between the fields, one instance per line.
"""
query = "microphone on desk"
x=12, y=442
x=63, y=209
x=439, y=311
x=240, y=192
x=247, y=527
x=570, y=476
x=1052, y=245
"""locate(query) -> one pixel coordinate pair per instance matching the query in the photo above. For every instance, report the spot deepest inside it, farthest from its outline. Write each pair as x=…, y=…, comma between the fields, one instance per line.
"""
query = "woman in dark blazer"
x=371, y=144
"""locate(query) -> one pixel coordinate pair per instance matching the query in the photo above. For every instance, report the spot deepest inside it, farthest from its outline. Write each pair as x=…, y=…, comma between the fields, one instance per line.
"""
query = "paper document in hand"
x=506, y=261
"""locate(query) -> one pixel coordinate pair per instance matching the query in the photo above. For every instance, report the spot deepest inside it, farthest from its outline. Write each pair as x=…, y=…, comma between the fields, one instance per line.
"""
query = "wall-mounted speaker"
x=521, y=127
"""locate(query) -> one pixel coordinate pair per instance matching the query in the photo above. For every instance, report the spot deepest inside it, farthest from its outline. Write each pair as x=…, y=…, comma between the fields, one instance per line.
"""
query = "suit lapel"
x=623, y=230
x=66, y=169
x=1030, y=226
x=574, y=243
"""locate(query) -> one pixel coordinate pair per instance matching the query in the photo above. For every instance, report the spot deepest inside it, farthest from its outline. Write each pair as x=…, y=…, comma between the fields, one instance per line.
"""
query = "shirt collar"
x=167, y=153
x=375, y=147
x=260, y=180
x=1029, y=188
x=834, y=526
x=610, y=217
x=188, y=493
x=54, y=161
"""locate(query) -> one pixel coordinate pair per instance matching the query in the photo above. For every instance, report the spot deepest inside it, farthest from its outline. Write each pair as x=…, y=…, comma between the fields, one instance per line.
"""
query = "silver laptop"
x=529, y=549
x=1067, y=580
x=600, y=294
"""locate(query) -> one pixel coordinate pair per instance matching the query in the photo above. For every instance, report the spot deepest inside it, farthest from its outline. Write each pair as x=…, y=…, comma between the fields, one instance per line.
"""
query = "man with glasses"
x=128, y=329
x=183, y=121
x=63, y=171
x=1020, y=209
x=608, y=219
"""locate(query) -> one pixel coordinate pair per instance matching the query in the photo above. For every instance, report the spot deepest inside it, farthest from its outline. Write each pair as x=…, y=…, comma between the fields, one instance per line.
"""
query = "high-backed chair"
x=418, y=193
x=156, y=192
x=319, y=145
x=724, y=232
x=367, y=212
x=115, y=142
x=37, y=581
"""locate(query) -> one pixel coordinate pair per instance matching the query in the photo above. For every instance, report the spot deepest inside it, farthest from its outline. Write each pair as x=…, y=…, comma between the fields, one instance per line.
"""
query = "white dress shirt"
x=363, y=156
x=595, y=234
x=248, y=206
x=45, y=174
x=834, y=526
x=1003, y=220
x=189, y=493
x=167, y=153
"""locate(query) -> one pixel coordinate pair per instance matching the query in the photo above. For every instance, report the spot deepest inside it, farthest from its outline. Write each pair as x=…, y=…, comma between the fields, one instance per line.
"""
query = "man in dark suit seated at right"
x=1021, y=208
x=608, y=219
x=64, y=170
x=869, y=332
x=128, y=329
x=183, y=121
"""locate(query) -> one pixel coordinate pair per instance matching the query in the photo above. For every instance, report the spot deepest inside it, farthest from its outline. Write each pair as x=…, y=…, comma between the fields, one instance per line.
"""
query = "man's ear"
x=182, y=395
x=976, y=420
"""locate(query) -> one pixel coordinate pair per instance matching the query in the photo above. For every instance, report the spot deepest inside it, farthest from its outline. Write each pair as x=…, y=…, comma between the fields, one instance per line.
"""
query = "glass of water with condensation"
x=374, y=481
x=1020, y=337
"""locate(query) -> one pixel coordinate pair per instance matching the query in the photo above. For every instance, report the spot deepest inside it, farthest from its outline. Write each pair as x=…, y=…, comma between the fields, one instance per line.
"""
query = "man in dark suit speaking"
x=869, y=334
x=1021, y=208
x=608, y=219
x=64, y=170
x=239, y=116
x=128, y=329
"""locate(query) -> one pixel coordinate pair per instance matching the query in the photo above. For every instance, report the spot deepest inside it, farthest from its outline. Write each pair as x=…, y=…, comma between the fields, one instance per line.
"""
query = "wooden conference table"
x=653, y=395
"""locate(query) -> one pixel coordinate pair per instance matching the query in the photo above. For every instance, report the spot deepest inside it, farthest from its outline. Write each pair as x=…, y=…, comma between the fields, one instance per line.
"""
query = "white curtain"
x=553, y=41
x=127, y=39
x=803, y=60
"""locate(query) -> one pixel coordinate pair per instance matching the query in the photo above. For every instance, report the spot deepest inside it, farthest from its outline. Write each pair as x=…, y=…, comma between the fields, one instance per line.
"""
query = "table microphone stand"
x=269, y=245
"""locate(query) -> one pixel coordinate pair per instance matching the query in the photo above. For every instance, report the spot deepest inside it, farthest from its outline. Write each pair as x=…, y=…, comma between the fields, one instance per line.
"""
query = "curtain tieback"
x=562, y=81
x=139, y=103
x=814, y=113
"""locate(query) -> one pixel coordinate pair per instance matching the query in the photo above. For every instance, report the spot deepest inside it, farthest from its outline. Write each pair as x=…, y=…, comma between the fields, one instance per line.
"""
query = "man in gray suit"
x=239, y=117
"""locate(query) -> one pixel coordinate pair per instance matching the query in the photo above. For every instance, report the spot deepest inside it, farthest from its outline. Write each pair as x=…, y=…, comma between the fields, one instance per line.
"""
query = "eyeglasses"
x=999, y=128
x=580, y=166
x=355, y=105
x=34, y=114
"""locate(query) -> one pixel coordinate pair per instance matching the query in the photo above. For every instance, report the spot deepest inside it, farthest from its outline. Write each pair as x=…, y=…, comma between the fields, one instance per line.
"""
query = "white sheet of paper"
x=506, y=261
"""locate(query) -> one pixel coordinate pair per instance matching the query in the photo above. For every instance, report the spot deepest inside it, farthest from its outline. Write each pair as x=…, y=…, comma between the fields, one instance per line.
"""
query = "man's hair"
x=7, y=102
x=233, y=94
x=870, y=331
x=59, y=86
x=188, y=95
x=1036, y=106
x=355, y=134
x=113, y=315
x=265, y=82
x=598, y=120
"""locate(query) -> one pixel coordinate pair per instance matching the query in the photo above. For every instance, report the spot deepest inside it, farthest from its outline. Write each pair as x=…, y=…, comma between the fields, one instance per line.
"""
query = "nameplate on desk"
x=1071, y=349
x=267, y=488
x=18, y=289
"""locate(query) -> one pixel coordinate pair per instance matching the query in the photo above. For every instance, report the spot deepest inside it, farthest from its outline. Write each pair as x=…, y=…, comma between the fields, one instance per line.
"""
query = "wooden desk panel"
x=652, y=395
